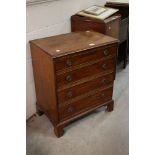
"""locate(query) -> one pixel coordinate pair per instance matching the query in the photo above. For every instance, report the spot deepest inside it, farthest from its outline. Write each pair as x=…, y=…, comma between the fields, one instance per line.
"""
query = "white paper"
x=104, y=15
x=119, y=1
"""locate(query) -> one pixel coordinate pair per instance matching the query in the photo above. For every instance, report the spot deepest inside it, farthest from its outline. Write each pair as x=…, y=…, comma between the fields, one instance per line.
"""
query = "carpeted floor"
x=99, y=133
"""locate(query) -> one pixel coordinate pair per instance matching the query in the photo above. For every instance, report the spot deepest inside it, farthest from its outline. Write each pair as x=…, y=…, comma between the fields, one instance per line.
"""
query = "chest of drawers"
x=73, y=75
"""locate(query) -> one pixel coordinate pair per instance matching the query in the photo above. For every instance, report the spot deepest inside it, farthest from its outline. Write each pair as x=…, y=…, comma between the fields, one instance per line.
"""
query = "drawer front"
x=83, y=88
x=73, y=76
x=85, y=104
x=72, y=60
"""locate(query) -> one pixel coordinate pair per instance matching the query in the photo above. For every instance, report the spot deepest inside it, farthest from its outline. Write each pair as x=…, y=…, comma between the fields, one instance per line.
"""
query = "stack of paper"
x=95, y=10
x=118, y=1
x=108, y=12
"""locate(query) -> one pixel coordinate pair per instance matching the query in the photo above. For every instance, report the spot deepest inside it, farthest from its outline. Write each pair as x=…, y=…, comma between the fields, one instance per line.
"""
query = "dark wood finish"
x=110, y=106
x=109, y=26
x=83, y=88
x=77, y=42
x=62, y=97
x=39, y=111
x=94, y=98
x=112, y=26
x=83, y=57
x=43, y=70
x=84, y=72
x=58, y=130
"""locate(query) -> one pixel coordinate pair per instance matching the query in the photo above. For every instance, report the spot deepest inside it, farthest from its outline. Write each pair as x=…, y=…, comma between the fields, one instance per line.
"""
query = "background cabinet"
x=109, y=26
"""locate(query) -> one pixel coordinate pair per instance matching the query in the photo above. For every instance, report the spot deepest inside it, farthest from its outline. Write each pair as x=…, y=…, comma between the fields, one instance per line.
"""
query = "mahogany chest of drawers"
x=74, y=75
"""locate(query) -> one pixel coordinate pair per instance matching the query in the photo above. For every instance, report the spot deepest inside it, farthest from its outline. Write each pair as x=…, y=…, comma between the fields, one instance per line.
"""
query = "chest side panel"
x=44, y=76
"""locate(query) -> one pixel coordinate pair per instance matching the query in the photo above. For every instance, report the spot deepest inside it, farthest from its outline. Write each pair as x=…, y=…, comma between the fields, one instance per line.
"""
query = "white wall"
x=48, y=19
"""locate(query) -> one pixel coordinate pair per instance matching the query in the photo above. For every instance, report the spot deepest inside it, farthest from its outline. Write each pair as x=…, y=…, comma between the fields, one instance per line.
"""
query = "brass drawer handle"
x=106, y=52
x=69, y=63
x=104, y=81
x=69, y=94
x=104, y=66
x=69, y=78
x=71, y=109
x=103, y=95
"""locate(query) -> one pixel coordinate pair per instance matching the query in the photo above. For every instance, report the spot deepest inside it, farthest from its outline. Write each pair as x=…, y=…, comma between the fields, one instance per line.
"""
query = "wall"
x=48, y=19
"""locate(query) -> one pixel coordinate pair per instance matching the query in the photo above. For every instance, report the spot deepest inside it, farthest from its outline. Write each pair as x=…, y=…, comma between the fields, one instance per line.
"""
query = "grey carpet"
x=99, y=133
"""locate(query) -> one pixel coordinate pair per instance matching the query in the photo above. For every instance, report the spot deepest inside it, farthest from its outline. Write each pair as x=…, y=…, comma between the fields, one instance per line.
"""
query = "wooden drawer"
x=88, y=102
x=72, y=60
x=101, y=66
x=83, y=88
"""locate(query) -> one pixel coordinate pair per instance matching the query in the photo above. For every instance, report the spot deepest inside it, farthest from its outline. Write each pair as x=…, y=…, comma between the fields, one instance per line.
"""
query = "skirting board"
x=33, y=2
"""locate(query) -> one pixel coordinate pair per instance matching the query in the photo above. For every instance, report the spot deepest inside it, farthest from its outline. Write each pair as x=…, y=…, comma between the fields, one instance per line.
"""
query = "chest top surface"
x=64, y=44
